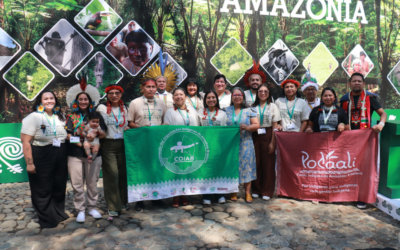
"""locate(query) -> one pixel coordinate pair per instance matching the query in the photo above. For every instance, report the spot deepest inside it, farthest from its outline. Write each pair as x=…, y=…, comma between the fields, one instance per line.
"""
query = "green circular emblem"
x=183, y=151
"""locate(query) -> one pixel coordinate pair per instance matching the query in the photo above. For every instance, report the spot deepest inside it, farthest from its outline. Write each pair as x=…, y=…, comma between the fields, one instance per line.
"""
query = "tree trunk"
x=361, y=36
x=252, y=37
x=160, y=30
x=80, y=48
x=99, y=70
x=241, y=32
x=2, y=14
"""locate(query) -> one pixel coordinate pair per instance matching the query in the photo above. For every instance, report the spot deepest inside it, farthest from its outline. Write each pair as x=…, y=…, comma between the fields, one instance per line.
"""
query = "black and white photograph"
x=279, y=62
x=8, y=48
x=133, y=48
x=63, y=47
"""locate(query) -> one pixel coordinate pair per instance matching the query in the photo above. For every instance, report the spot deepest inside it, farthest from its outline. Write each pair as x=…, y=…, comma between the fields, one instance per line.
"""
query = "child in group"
x=92, y=129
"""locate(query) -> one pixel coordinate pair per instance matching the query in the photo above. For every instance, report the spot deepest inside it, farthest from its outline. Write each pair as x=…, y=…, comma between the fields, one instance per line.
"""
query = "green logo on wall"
x=183, y=151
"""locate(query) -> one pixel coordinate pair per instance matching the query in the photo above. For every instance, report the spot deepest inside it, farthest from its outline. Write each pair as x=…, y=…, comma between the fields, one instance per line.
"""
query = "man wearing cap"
x=310, y=88
x=359, y=106
x=140, y=48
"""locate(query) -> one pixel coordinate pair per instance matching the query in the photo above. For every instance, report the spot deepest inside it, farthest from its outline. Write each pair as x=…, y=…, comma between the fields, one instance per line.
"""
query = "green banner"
x=167, y=161
x=12, y=162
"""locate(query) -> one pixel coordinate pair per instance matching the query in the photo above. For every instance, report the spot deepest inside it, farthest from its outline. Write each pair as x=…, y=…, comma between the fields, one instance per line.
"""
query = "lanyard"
x=294, y=105
x=148, y=108
x=251, y=94
x=164, y=97
x=210, y=121
x=187, y=117
x=193, y=103
x=222, y=97
x=262, y=114
x=52, y=125
x=79, y=123
x=116, y=120
x=329, y=114
x=236, y=121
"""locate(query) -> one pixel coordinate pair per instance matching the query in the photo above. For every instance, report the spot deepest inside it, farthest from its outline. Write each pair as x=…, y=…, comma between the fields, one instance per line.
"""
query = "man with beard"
x=140, y=48
x=309, y=87
x=359, y=105
x=253, y=79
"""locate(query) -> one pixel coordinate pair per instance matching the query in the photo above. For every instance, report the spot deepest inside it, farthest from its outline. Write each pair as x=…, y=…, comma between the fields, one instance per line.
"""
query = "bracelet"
x=382, y=123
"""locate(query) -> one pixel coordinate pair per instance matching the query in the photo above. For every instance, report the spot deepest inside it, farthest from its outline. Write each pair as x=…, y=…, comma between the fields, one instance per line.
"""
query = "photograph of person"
x=63, y=47
x=133, y=48
x=279, y=62
x=8, y=48
x=357, y=62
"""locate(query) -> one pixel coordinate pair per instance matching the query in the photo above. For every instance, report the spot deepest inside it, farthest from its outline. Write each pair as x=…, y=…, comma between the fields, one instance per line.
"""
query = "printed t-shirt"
x=113, y=131
x=207, y=119
x=32, y=125
x=167, y=98
x=174, y=117
x=249, y=100
x=194, y=101
x=300, y=113
x=337, y=116
x=271, y=114
x=142, y=108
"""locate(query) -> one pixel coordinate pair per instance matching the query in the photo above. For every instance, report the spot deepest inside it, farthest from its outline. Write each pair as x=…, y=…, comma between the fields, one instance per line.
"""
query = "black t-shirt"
x=374, y=107
x=73, y=149
x=337, y=116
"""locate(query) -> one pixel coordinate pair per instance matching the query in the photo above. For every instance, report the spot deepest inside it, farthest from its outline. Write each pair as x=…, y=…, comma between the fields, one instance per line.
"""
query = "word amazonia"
x=329, y=9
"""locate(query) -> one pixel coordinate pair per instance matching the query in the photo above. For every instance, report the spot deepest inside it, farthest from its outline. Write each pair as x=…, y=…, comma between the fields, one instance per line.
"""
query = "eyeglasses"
x=263, y=91
x=237, y=95
x=114, y=93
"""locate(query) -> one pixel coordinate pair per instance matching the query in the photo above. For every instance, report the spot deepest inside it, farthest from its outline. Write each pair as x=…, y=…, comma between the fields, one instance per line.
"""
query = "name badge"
x=56, y=143
x=152, y=124
x=261, y=131
x=290, y=126
x=74, y=139
x=118, y=136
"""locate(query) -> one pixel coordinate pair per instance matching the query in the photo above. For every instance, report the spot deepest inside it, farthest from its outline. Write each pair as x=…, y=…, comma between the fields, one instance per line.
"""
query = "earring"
x=91, y=106
x=56, y=109
x=74, y=105
x=40, y=108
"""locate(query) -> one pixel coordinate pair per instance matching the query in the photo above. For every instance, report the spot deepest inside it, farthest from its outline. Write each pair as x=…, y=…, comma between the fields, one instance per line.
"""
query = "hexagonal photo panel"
x=321, y=63
x=279, y=62
x=8, y=48
x=28, y=76
x=232, y=60
x=98, y=20
x=100, y=72
x=63, y=47
x=394, y=77
x=357, y=61
x=133, y=48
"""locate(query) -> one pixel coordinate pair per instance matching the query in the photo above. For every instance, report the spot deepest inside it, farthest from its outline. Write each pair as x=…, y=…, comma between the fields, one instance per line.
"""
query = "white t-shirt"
x=271, y=114
x=174, y=117
x=313, y=104
x=300, y=113
x=249, y=100
x=32, y=125
x=194, y=101
x=225, y=101
x=167, y=98
x=113, y=131
x=139, y=108
x=219, y=119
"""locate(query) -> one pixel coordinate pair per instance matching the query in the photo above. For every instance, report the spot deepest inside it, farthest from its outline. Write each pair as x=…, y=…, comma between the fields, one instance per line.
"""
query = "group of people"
x=92, y=136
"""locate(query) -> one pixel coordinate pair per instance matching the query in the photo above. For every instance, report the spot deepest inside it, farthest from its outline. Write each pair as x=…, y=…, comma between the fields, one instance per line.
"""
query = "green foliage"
x=28, y=65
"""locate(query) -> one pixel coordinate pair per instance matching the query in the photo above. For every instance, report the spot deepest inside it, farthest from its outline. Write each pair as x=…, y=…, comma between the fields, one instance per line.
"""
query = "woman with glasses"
x=113, y=150
x=264, y=143
x=238, y=114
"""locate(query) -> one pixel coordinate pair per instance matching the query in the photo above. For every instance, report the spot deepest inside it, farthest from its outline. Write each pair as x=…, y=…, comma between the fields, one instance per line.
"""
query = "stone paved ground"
x=276, y=224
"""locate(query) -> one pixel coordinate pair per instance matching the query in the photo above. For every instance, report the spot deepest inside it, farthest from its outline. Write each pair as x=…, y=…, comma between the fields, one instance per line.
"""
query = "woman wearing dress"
x=294, y=110
x=113, y=151
x=193, y=97
x=264, y=143
x=181, y=114
x=239, y=115
x=212, y=115
x=43, y=137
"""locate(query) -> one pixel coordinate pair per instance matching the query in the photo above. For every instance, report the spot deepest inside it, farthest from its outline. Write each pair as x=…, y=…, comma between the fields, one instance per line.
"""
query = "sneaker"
x=221, y=200
x=255, y=195
x=81, y=217
x=113, y=213
x=361, y=205
x=315, y=202
x=266, y=198
x=139, y=206
x=95, y=214
x=206, y=202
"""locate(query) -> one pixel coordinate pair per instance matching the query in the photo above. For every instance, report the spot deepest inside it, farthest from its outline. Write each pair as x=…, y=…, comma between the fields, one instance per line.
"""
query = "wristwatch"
x=382, y=123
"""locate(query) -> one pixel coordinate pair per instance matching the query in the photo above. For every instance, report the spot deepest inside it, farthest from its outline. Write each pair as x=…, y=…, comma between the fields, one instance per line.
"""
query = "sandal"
x=233, y=197
x=249, y=199
x=184, y=201
x=175, y=201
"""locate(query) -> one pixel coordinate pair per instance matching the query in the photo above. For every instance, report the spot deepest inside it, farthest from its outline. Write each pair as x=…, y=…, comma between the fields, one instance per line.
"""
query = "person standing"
x=294, y=110
x=113, y=151
x=184, y=115
x=359, y=106
x=239, y=114
x=264, y=143
x=162, y=93
x=146, y=111
x=82, y=99
x=310, y=88
x=193, y=98
x=253, y=79
x=43, y=138
x=224, y=99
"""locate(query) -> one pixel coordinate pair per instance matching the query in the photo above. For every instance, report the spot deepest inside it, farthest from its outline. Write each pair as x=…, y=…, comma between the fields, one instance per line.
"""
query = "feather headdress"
x=254, y=71
x=83, y=87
